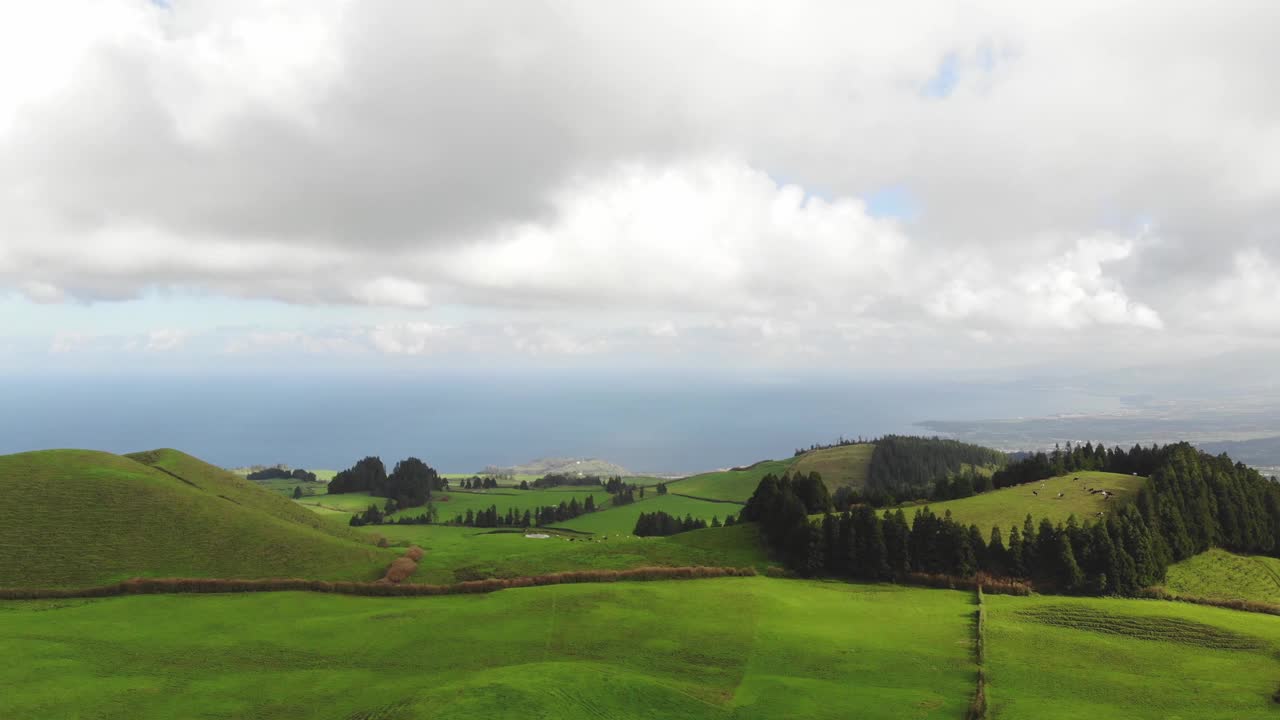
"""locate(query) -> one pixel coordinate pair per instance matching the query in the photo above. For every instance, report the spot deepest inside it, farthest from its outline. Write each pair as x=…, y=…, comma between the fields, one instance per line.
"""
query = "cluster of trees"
x=660, y=523
x=382, y=516
x=410, y=483
x=547, y=515
x=1037, y=466
x=1193, y=502
x=627, y=495
x=907, y=467
x=842, y=441
x=282, y=473
x=557, y=479
x=475, y=482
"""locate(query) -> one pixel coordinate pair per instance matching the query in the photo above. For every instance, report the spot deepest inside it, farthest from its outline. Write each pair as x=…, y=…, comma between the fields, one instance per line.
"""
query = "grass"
x=285, y=487
x=458, y=502
x=1008, y=507
x=622, y=519
x=1107, y=658
x=78, y=517
x=844, y=466
x=734, y=647
x=1221, y=575
x=733, y=485
x=456, y=554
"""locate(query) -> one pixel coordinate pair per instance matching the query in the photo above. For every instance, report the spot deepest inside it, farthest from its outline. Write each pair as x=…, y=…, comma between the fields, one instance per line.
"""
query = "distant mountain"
x=545, y=466
x=1260, y=452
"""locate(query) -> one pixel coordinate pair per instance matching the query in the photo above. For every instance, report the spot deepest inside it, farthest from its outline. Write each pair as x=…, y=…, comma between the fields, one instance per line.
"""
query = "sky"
x=193, y=186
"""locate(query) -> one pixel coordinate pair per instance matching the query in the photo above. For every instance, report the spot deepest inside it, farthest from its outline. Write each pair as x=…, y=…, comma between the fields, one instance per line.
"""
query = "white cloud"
x=415, y=338
x=164, y=340
x=604, y=175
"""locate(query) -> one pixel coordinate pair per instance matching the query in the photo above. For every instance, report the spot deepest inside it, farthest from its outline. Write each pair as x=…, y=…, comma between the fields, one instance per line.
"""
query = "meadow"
x=843, y=466
x=732, y=485
x=1221, y=575
x=1009, y=506
x=1097, y=658
x=455, y=554
x=622, y=519
x=733, y=647
x=458, y=502
x=90, y=518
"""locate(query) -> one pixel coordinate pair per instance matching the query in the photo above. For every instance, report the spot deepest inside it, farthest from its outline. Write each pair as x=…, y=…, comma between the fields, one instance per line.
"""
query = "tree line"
x=1138, y=460
x=1192, y=502
x=475, y=482
x=281, y=473
x=559, y=479
x=410, y=483
x=538, y=517
x=660, y=523
x=907, y=467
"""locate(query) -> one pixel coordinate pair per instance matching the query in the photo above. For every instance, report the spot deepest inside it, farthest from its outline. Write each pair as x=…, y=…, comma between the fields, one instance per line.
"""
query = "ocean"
x=463, y=421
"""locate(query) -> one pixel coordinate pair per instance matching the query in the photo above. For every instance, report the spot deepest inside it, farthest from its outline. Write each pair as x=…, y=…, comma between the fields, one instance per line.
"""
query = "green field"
x=79, y=517
x=458, y=502
x=1009, y=506
x=730, y=648
x=622, y=519
x=735, y=485
x=844, y=466
x=1222, y=575
x=285, y=487
x=459, y=553
x=1097, y=658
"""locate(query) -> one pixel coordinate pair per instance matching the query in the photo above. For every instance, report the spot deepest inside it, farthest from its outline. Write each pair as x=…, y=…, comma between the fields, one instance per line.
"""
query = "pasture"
x=1096, y=658
x=90, y=518
x=733, y=647
x=1221, y=575
x=455, y=554
x=843, y=466
x=732, y=485
x=622, y=519
x=1009, y=506
x=458, y=502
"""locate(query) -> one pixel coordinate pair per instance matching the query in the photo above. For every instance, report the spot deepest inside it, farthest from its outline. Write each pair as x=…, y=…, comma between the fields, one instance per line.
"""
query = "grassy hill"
x=1222, y=575
x=734, y=485
x=738, y=647
x=80, y=517
x=1059, y=657
x=844, y=466
x=1009, y=506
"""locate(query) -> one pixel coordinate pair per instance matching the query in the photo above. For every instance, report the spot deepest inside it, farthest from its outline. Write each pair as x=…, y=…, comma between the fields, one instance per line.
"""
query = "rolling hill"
x=1009, y=506
x=87, y=518
x=1221, y=575
x=841, y=466
x=733, y=485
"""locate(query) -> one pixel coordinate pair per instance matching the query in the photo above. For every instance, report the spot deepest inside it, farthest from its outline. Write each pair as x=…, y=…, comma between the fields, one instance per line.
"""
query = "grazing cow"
x=1059, y=494
x=1035, y=492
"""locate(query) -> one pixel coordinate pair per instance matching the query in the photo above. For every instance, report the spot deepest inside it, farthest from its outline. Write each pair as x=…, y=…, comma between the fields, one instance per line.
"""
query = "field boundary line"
x=168, y=586
x=704, y=499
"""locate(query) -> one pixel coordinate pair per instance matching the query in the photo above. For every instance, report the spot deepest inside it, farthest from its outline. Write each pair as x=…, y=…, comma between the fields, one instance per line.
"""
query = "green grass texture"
x=738, y=648
x=844, y=466
x=622, y=519
x=733, y=485
x=1222, y=575
x=454, y=554
x=78, y=517
x=1009, y=506
x=1100, y=658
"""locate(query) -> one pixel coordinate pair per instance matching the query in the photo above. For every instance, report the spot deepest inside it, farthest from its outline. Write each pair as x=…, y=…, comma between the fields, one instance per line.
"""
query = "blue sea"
x=463, y=421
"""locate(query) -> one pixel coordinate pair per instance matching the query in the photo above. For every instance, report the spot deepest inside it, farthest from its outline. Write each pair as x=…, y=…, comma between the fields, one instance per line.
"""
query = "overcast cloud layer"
x=811, y=181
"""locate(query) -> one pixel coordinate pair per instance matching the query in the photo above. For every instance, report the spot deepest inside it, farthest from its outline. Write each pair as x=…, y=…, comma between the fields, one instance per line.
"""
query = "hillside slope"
x=1009, y=506
x=732, y=485
x=842, y=466
x=1222, y=575
x=79, y=517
